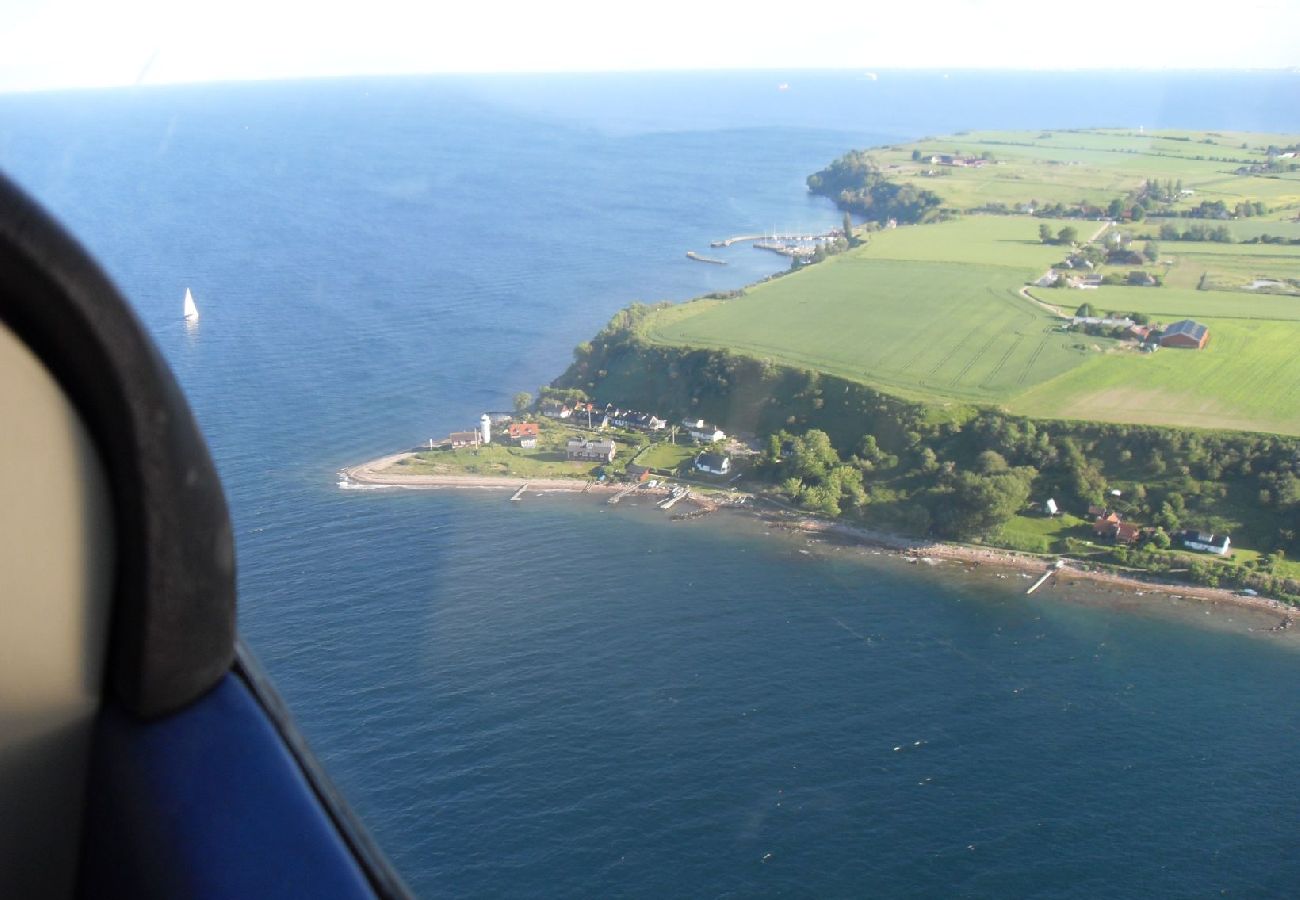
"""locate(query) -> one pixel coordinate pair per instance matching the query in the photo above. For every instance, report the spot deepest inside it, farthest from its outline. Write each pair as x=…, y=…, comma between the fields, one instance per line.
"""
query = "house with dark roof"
x=713, y=463
x=1208, y=543
x=554, y=409
x=592, y=451
x=1185, y=333
x=631, y=418
x=465, y=439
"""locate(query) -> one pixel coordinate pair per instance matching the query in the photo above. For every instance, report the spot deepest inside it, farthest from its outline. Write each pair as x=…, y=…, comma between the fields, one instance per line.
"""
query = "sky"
x=50, y=44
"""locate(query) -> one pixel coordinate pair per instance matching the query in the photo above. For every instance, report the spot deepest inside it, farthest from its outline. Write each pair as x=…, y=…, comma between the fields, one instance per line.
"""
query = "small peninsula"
x=1074, y=343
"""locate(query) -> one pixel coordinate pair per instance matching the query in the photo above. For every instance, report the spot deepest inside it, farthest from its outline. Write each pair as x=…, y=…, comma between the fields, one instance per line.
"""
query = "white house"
x=713, y=463
x=1209, y=543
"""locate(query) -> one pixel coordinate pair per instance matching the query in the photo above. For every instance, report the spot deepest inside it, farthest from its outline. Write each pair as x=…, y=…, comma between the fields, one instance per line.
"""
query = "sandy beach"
x=373, y=473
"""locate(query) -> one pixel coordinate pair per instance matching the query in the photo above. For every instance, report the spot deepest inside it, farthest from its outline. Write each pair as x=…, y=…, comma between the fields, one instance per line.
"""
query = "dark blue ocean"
x=561, y=698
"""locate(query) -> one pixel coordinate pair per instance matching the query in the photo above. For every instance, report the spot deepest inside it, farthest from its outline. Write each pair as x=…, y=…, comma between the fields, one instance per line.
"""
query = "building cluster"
x=595, y=417
x=961, y=162
x=1110, y=525
x=1183, y=333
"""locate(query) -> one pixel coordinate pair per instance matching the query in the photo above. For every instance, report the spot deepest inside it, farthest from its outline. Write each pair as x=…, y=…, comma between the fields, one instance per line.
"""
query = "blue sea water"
x=557, y=697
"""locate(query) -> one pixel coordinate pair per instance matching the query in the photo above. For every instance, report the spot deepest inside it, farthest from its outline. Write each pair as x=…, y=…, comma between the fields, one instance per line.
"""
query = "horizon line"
x=866, y=72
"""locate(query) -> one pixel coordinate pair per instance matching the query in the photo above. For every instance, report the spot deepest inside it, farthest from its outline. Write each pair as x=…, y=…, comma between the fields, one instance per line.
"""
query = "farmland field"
x=1247, y=377
x=1093, y=165
x=932, y=330
x=937, y=312
x=1168, y=304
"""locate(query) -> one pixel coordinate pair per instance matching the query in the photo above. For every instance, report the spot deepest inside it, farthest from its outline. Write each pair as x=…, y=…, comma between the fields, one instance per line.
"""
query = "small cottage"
x=713, y=463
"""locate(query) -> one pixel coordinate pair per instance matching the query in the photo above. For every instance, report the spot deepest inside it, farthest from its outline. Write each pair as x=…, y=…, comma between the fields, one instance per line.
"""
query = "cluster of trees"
x=1156, y=191
x=1067, y=236
x=857, y=185
x=809, y=471
x=1271, y=239
x=1218, y=234
x=842, y=448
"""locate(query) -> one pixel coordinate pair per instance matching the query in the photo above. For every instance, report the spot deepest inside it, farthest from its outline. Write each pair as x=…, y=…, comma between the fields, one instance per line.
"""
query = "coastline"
x=370, y=474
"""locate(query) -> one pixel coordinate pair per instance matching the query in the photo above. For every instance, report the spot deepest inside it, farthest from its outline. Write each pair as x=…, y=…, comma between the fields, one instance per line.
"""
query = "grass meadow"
x=1246, y=378
x=927, y=330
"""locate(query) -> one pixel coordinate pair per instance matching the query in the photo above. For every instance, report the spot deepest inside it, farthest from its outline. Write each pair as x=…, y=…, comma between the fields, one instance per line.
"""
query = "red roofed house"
x=523, y=429
x=1105, y=525
x=1126, y=533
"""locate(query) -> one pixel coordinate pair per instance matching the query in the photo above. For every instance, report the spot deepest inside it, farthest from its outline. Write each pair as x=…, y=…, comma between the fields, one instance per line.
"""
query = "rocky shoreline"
x=372, y=474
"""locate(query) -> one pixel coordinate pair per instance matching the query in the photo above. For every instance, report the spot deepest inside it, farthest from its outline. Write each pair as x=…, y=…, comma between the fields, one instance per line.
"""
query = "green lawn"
x=497, y=460
x=935, y=330
x=1037, y=533
x=666, y=456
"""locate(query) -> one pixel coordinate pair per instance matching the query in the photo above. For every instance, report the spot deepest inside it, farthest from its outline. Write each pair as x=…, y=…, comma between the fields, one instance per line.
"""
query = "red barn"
x=1186, y=333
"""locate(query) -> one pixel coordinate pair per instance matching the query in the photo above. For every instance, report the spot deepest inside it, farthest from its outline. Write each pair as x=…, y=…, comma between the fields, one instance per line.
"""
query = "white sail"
x=191, y=311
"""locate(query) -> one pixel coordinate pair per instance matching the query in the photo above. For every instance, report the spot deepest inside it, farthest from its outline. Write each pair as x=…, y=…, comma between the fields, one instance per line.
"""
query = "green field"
x=1168, y=304
x=1247, y=378
x=928, y=330
x=937, y=312
x=1092, y=165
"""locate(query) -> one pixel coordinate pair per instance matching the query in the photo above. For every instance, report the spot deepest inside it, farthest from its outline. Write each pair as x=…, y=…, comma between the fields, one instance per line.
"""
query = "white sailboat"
x=191, y=311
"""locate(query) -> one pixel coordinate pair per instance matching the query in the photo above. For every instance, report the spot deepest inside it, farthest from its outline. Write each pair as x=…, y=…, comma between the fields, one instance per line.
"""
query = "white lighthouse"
x=485, y=428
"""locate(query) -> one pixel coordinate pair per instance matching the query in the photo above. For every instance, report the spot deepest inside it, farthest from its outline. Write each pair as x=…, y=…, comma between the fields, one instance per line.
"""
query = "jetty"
x=621, y=494
x=1060, y=564
x=678, y=493
x=778, y=237
x=691, y=254
x=727, y=242
x=519, y=493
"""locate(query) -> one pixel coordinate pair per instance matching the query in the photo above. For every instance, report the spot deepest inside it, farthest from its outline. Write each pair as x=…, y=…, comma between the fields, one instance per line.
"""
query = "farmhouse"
x=593, y=451
x=1104, y=321
x=1105, y=526
x=464, y=439
x=1209, y=543
x=1186, y=333
x=1112, y=527
x=713, y=463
